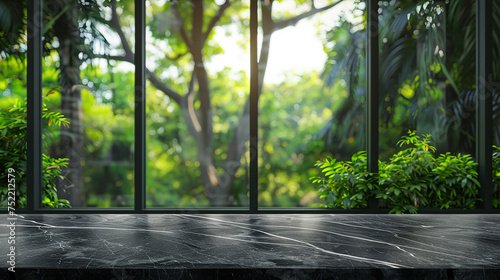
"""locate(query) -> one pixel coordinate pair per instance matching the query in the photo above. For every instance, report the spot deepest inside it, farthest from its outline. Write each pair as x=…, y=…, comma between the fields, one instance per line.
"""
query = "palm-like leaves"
x=76, y=25
x=85, y=16
x=349, y=50
x=427, y=75
x=12, y=26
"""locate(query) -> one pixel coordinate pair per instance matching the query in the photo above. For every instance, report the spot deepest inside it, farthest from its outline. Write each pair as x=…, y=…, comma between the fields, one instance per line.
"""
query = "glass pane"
x=495, y=81
x=427, y=81
x=313, y=96
x=496, y=42
x=13, y=104
x=197, y=103
x=496, y=101
x=428, y=76
x=84, y=80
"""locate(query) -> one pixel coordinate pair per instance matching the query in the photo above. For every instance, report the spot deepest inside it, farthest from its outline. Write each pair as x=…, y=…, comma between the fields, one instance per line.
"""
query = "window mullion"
x=254, y=97
x=34, y=105
x=372, y=87
x=484, y=100
x=140, y=107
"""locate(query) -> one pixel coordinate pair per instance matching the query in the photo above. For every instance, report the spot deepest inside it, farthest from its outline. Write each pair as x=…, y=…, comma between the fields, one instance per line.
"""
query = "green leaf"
x=397, y=192
x=464, y=182
x=347, y=203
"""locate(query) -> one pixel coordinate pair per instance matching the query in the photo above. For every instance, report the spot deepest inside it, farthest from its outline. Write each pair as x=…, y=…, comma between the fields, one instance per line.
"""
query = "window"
x=225, y=106
x=197, y=104
x=95, y=93
x=306, y=95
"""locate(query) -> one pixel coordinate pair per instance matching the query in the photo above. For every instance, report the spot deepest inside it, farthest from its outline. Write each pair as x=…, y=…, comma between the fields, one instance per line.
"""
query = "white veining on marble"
x=352, y=237
x=105, y=242
x=347, y=256
x=153, y=262
x=42, y=225
x=399, y=248
x=397, y=235
x=258, y=241
x=243, y=240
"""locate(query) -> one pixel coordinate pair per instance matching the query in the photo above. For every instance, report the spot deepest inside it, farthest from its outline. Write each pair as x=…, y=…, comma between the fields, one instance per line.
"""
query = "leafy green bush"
x=403, y=181
x=412, y=178
x=347, y=183
x=13, y=149
x=455, y=184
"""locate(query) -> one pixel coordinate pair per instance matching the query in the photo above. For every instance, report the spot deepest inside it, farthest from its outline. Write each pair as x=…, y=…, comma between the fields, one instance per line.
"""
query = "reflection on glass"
x=84, y=81
x=495, y=81
x=495, y=87
x=311, y=103
x=496, y=42
x=12, y=104
x=427, y=74
x=197, y=121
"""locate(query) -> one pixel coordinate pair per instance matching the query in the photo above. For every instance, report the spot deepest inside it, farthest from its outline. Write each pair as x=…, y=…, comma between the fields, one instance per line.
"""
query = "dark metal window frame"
x=34, y=129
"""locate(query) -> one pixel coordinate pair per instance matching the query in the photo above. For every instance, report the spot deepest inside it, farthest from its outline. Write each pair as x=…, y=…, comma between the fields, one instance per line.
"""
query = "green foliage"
x=13, y=125
x=428, y=85
x=346, y=183
x=496, y=176
x=412, y=178
x=12, y=24
x=290, y=115
x=51, y=170
x=299, y=122
x=403, y=180
x=455, y=184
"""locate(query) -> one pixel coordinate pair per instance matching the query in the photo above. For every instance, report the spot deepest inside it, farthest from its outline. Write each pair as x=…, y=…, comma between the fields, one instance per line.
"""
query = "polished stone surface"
x=276, y=246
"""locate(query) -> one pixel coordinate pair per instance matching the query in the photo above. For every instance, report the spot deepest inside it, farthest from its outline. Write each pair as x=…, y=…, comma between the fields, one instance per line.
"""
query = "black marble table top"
x=229, y=243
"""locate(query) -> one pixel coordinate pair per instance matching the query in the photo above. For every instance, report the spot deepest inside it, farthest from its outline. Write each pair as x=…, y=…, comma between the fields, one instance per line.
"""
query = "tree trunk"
x=217, y=193
x=72, y=146
x=219, y=190
x=71, y=139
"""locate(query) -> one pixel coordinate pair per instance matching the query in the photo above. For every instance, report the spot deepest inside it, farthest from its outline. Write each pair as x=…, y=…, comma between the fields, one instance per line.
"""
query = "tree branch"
x=175, y=58
x=191, y=83
x=292, y=21
x=115, y=22
x=189, y=107
x=161, y=86
x=125, y=58
x=129, y=57
x=180, y=25
x=200, y=71
x=268, y=27
x=215, y=19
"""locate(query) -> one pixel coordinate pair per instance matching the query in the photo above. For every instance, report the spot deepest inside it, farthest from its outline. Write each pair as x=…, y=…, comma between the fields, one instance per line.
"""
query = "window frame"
x=34, y=128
